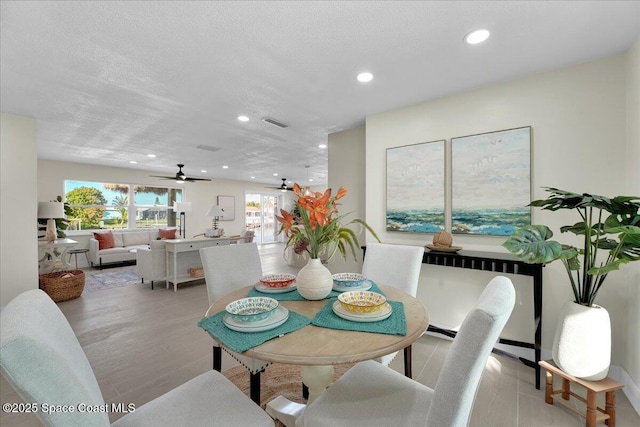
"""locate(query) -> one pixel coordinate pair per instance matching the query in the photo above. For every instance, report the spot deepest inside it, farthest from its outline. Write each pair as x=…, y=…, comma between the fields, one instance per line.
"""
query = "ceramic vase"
x=314, y=281
x=582, y=344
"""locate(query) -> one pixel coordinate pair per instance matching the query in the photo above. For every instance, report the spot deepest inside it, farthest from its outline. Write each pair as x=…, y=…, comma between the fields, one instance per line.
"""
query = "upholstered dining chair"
x=226, y=269
x=398, y=266
x=370, y=394
x=42, y=359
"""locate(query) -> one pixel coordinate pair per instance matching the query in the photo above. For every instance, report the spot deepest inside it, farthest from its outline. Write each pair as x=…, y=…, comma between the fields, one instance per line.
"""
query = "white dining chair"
x=43, y=361
x=398, y=266
x=226, y=269
x=370, y=394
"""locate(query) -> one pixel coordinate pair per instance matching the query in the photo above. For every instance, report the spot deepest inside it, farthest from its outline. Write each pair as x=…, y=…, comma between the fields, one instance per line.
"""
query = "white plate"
x=269, y=290
x=376, y=316
x=280, y=315
x=364, y=287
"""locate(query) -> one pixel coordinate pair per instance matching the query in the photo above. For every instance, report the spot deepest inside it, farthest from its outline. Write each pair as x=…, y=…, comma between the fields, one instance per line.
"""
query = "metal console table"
x=502, y=263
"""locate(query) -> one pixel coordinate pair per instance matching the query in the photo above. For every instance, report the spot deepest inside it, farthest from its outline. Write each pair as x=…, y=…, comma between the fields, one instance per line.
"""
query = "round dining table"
x=317, y=349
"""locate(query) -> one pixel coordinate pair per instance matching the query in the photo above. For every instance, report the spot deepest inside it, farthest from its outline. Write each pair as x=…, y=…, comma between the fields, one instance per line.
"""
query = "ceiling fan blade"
x=162, y=177
x=196, y=179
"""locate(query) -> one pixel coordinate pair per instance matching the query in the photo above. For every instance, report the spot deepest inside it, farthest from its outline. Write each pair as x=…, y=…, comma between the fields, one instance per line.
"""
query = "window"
x=107, y=205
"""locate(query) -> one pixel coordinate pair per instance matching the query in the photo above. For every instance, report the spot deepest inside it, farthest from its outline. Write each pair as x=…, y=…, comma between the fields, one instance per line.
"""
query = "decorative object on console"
x=486, y=170
x=442, y=242
x=50, y=211
x=215, y=212
x=182, y=207
x=582, y=343
x=415, y=188
x=320, y=233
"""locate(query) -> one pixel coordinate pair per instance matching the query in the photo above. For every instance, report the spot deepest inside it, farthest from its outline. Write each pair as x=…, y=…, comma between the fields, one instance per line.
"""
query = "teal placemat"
x=243, y=341
x=396, y=324
x=295, y=295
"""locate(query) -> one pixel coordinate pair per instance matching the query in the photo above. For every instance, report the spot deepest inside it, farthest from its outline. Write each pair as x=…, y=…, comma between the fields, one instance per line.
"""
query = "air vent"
x=274, y=122
x=209, y=148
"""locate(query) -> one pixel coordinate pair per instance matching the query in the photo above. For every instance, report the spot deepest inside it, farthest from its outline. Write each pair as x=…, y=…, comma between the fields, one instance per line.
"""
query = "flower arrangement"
x=319, y=229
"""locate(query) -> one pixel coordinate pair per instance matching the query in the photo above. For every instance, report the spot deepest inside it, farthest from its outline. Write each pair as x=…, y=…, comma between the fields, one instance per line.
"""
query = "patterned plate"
x=376, y=316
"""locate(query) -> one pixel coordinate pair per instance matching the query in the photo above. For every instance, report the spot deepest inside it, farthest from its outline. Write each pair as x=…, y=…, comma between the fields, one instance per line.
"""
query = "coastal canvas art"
x=491, y=182
x=415, y=188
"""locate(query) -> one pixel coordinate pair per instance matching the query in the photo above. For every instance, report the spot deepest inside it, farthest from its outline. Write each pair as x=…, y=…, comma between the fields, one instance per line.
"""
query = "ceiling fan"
x=283, y=187
x=180, y=176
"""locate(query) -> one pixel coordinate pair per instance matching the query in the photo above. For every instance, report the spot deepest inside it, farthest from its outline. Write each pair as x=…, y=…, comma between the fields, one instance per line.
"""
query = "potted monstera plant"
x=610, y=232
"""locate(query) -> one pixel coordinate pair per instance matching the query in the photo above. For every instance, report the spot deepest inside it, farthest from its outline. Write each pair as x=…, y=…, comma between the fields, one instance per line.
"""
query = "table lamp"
x=216, y=212
x=50, y=211
x=182, y=207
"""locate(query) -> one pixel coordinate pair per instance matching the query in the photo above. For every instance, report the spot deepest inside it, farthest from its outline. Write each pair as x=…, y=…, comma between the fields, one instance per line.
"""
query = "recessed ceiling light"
x=253, y=177
x=365, y=77
x=243, y=118
x=151, y=155
x=133, y=162
x=275, y=174
x=310, y=179
x=203, y=171
x=322, y=146
x=225, y=167
x=477, y=36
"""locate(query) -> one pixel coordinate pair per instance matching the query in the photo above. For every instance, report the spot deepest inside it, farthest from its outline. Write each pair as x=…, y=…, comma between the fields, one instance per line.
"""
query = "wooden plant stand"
x=607, y=385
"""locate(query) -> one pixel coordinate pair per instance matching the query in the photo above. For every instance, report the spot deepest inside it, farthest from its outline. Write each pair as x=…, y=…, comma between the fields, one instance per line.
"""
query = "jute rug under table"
x=277, y=380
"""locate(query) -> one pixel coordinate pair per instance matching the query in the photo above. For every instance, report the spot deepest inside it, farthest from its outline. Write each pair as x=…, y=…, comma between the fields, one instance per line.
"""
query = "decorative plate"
x=280, y=315
x=376, y=316
x=362, y=301
x=251, y=309
x=277, y=280
x=365, y=286
x=440, y=248
x=269, y=290
x=348, y=280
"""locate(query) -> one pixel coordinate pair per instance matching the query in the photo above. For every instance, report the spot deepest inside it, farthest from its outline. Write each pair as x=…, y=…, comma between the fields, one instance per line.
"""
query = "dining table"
x=318, y=348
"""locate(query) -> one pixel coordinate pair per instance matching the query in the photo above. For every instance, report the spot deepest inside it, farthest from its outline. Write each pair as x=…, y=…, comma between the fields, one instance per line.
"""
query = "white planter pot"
x=314, y=281
x=582, y=344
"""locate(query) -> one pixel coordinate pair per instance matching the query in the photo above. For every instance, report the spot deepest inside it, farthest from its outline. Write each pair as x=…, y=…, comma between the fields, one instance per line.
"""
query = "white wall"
x=346, y=169
x=202, y=195
x=632, y=360
x=18, y=207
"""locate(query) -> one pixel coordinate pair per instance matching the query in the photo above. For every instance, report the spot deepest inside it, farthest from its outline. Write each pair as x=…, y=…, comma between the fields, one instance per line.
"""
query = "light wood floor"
x=143, y=343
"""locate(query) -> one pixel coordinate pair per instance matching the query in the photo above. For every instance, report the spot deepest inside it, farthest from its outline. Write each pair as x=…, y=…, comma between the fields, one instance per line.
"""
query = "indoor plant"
x=610, y=231
x=319, y=231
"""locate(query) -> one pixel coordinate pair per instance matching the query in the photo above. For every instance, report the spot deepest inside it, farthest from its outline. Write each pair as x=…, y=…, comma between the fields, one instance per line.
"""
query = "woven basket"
x=196, y=272
x=61, y=288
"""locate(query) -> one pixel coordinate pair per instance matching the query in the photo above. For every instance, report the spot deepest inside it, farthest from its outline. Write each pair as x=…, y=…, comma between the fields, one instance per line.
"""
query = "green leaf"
x=531, y=244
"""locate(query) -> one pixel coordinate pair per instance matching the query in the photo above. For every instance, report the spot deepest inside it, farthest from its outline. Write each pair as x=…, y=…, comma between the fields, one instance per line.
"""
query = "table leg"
x=591, y=408
x=317, y=378
x=610, y=408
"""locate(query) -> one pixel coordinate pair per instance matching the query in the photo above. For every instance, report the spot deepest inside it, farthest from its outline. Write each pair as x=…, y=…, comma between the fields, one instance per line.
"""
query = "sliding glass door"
x=260, y=212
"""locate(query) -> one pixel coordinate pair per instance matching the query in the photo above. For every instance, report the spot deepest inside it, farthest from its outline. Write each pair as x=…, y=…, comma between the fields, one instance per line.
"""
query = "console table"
x=183, y=254
x=501, y=263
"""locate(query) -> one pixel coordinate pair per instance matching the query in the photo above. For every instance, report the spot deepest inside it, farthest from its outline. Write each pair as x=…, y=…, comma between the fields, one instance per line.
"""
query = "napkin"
x=243, y=341
x=396, y=324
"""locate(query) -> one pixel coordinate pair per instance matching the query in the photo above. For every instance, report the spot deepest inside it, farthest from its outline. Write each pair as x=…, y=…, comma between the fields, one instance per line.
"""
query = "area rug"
x=277, y=380
x=97, y=280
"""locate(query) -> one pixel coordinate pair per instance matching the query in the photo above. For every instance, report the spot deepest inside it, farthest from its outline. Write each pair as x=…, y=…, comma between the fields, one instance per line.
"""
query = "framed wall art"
x=227, y=203
x=415, y=188
x=491, y=182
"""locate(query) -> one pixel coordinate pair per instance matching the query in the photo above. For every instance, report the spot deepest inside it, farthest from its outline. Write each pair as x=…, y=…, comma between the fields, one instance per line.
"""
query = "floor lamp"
x=182, y=207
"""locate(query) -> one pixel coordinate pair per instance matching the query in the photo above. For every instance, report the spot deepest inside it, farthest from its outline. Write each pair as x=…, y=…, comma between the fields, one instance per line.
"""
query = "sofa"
x=118, y=246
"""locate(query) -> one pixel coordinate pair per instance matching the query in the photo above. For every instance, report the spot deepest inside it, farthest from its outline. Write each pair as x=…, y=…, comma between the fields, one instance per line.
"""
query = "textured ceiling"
x=110, y=82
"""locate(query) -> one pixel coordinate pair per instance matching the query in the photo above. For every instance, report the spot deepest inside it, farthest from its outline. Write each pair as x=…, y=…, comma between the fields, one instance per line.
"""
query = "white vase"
x=314, y=281
x=582, y=344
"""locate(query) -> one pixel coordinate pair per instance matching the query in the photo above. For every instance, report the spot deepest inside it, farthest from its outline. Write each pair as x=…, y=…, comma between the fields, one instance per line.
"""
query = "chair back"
x=394, y=265
x=460, y=375
x=230, y=267
x=41, y=358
